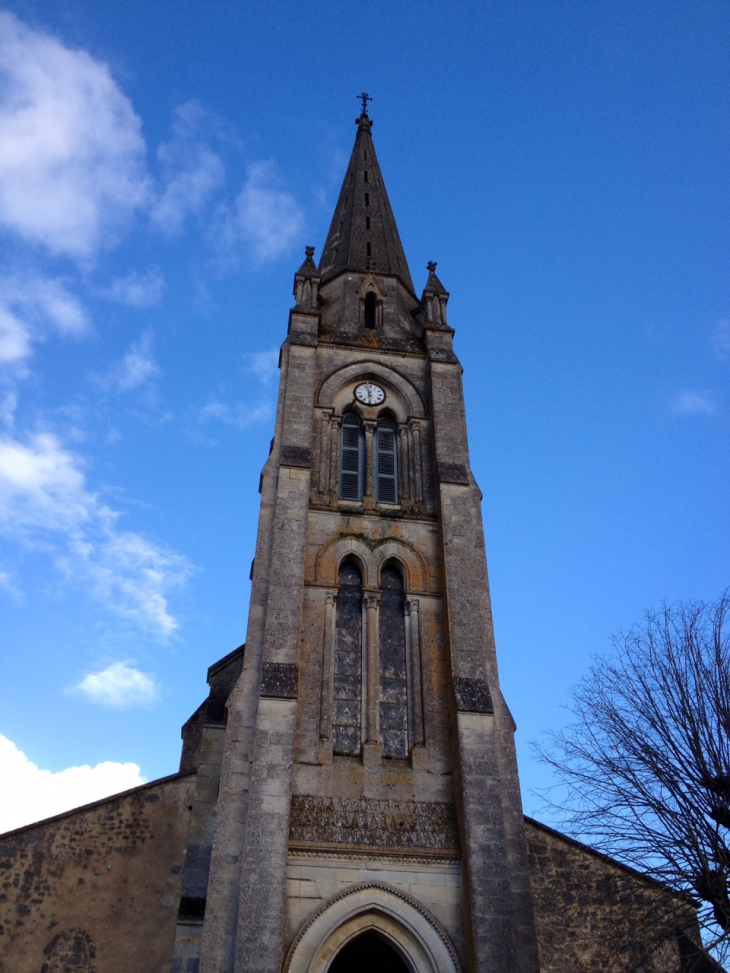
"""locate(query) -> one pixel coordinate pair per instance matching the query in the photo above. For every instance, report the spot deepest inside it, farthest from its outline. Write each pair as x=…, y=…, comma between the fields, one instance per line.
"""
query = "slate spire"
x=363, y=234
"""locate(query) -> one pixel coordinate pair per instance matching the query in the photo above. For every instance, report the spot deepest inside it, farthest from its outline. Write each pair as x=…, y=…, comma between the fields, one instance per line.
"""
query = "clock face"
x=369, y=394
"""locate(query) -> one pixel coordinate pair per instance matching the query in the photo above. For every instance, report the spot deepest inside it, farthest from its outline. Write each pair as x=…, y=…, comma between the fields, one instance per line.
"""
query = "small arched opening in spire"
x=370, y=310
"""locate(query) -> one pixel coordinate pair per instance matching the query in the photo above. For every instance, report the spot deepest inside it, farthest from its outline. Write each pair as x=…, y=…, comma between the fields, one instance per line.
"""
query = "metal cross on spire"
x=365, y=97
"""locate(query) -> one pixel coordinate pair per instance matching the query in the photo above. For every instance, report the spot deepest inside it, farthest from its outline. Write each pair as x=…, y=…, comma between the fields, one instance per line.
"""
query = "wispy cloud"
x=44, y=500
x=39, y=794
x=241, y=415
x=721, y=338
x=192, y=171
x=263, y=364
x=71, y=149
x=136, y=368
x=267, y=218
x=119, y=686
x=8, y=585
x=29, y=304
x=137, y=290
x=695, y=403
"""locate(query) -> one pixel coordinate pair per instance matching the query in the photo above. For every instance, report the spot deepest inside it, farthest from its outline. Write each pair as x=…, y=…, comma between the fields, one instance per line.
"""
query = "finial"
x=309, y=251
x=431, y=266
x=365, y=98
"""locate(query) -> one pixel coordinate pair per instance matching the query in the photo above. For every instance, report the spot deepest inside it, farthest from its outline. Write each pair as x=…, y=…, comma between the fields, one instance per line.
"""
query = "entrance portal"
x=368, y=953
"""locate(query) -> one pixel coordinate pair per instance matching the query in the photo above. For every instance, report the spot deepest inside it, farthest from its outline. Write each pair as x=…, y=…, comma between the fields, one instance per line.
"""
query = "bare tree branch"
x=643, y=770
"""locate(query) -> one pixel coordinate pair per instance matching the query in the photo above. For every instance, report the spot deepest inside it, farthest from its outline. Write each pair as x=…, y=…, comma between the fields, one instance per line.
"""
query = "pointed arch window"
x=386, y=462
x=393, y=664
x=347, y=702
x=352, y=458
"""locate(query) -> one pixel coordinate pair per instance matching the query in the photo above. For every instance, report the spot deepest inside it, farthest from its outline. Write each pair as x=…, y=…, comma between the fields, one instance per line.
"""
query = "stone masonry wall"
x=594, y=915
x=98, y=888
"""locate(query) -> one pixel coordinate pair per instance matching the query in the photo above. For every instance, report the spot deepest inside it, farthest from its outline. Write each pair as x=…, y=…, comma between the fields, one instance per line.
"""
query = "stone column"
x=404, y=463
x=372, y=606
x=414, y=654
x=369, y=425
x=334, y=484
x=328, y=656
x=324, y=454
x=416, y=462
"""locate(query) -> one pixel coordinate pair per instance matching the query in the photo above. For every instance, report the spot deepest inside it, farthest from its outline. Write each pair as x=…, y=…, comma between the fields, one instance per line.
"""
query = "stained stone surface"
x=279, y=680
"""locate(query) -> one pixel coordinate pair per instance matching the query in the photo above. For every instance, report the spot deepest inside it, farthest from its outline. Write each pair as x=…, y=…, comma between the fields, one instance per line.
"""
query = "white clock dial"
x=369, y=394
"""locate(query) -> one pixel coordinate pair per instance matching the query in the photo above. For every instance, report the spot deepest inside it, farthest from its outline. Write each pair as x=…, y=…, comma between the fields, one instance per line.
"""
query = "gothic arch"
x=372, y=556
x=331, y=555
x=399, y=386
x=377, y=907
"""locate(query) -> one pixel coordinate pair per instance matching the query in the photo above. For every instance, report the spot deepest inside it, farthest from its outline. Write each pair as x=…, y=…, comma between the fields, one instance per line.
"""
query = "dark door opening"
x=368, y=954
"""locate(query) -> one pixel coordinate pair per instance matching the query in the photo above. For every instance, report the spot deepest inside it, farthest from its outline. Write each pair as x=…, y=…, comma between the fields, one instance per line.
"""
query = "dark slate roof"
x=363, y=195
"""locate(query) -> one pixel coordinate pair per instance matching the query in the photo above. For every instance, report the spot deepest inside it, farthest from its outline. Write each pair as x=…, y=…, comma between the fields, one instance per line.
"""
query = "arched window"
x=347, y=710
x=393, y=664
x=386, y=463
x=370, y=307
x=352, y=455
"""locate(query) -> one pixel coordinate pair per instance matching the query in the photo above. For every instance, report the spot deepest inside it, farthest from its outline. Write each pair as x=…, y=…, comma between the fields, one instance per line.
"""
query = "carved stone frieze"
x=279, y=680
x=472, y=696
x=369, y=822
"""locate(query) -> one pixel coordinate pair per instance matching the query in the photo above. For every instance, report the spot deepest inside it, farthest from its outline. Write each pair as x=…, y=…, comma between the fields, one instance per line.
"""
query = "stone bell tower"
x=369, y=808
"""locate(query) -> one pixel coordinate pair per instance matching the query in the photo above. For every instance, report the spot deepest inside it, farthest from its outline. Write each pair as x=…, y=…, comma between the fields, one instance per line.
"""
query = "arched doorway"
x=357, y=929
x=368, y=953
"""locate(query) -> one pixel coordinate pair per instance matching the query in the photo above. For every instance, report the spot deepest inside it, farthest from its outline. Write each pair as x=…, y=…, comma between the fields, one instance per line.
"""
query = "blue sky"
x=163, y=165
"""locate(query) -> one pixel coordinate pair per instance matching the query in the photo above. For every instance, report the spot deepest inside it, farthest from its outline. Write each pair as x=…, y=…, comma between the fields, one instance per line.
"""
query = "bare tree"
x=643, y=770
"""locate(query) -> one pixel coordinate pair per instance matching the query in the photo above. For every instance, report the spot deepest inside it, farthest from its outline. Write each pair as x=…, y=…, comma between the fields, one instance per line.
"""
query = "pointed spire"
x=434, y=300
x=433, y=284
x=363, y=234
x=308, y=268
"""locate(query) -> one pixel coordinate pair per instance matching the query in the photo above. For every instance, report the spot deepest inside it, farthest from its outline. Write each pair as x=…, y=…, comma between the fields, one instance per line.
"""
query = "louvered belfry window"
x=352, y=451
x=386, y=462
x=393, y=677
x=347, y=712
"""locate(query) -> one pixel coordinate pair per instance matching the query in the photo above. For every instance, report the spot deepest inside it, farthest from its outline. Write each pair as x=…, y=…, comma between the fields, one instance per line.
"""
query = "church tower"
x=369, y=808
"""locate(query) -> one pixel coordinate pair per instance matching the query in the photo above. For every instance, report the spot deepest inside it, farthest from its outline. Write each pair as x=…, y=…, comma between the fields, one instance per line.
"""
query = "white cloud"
x=71, y=149
x=695, y=403
x=15, y=339
x=192, y=170
x=44, y=500
x=137, y=367
x=119, y=685
x=8, y=585
x=8, y=405
x=137, y=290
x=28, y=304
x=263, y=364
x=267, y=218
x=38, y=794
